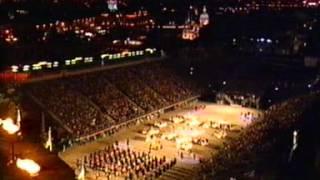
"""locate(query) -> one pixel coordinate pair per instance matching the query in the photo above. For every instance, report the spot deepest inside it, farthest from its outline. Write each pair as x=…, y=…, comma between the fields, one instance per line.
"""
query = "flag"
x=19, y=118
x=48, y=144
x=82, y=175
x=294, y=144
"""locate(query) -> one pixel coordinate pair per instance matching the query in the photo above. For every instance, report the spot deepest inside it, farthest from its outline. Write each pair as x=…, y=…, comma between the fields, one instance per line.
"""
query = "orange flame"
x=9, y=126
x=29, y=166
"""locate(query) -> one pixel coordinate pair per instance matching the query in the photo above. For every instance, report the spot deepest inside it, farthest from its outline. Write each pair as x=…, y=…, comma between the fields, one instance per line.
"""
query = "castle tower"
x=204, y=17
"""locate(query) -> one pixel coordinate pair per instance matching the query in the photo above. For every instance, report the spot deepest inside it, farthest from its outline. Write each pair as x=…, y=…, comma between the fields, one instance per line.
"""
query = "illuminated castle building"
x=204, y=17
x=190, y=33
x=112, y=5
x=192, y=25
x=191, y=30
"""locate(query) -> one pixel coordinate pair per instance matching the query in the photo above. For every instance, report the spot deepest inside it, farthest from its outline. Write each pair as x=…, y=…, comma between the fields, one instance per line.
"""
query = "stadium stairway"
x=227, y=98
x=153, y=90
x=146, y=86
x=53, y=116
x=179, y=173
x=89, y=101
x=114, y=86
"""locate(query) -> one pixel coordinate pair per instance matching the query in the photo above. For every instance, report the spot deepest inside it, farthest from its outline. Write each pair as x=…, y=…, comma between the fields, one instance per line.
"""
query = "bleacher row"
x=95, y=101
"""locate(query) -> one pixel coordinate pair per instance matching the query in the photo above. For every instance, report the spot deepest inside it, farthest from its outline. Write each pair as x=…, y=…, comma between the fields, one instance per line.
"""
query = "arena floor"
x=195, y=128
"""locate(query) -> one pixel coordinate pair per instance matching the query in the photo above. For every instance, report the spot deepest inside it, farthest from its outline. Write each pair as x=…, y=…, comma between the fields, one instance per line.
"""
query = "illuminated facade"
x=191, y=32
x=311, y=3
x=204, y=17
x=194, y=22
x=112, y=5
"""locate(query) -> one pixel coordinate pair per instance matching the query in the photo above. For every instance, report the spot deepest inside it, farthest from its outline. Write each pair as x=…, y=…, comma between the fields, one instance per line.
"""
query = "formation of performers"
x=116, y=161
x=238, y=98
x=249, y=117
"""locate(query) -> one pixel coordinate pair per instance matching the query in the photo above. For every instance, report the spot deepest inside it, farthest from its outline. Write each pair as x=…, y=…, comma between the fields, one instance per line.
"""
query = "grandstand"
x=84, y=104
x=262, y=150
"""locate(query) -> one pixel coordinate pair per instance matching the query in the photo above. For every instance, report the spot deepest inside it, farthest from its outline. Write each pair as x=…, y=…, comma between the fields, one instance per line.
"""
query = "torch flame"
x=29, y=166
x=9, y=126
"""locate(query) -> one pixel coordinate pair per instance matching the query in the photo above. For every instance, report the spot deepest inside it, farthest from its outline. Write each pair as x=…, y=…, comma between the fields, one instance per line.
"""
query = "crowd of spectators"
x=104, y=94
x=71, y=107
x=91, y=102
x=239, y=155
x=138, y=91
x=164, y=81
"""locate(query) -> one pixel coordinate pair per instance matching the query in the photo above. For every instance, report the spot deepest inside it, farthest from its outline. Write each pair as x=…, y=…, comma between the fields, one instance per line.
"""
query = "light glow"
x=9, y=126
x=28, y=165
